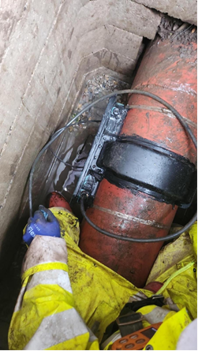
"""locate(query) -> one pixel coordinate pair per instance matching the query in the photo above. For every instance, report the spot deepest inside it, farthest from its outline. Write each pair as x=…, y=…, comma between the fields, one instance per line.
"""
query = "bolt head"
x=116, y=111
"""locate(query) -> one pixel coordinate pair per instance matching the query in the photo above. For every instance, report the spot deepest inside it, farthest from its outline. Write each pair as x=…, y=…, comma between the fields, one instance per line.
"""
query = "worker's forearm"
x=45, y=249
x=44, y=315
x=46, y=263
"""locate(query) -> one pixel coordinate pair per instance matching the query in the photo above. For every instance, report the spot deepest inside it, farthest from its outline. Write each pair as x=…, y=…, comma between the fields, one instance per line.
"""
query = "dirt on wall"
x=176, y=30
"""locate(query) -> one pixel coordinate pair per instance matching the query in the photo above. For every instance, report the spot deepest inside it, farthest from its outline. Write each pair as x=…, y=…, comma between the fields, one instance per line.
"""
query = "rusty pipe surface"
x=169, y=71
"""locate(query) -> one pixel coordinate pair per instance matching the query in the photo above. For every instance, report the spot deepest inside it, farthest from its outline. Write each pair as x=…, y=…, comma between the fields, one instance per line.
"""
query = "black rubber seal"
x=141, y=165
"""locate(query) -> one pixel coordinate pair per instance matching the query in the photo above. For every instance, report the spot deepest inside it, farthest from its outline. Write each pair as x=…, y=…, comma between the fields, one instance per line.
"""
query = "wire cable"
x=66, y=163
x=86, y=108
x=136, y=240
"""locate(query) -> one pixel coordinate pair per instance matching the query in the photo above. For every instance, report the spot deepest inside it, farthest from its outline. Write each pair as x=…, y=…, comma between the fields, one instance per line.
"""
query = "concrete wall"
x=46, y=49
x=185, y=10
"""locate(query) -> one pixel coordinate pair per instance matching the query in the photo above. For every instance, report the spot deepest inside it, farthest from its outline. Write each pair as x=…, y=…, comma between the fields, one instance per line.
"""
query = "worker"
x=68, y=300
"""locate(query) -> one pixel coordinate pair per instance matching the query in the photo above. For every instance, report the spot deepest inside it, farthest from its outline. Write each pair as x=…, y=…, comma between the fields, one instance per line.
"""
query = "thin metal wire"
x=115, y=93
x=136, y=240
x=65, y=163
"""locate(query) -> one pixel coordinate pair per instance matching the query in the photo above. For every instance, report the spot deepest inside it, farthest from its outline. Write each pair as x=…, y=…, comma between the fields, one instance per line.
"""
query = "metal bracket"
x=110, y=127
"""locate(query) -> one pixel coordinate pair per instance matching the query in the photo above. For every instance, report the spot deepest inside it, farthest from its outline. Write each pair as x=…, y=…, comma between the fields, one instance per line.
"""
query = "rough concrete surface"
x=129, y=16
x=46, y=49
x=186, y=10
x=10, y=14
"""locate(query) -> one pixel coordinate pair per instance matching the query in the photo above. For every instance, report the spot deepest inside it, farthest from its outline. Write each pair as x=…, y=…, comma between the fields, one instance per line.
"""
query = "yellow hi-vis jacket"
x=68, y=299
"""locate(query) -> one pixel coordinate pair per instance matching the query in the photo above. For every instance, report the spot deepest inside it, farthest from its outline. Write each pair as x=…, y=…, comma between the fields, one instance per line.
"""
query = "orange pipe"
x=169, y=71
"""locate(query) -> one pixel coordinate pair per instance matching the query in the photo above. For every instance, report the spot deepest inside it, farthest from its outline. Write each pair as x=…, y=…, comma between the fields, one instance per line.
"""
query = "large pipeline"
x=168, y=70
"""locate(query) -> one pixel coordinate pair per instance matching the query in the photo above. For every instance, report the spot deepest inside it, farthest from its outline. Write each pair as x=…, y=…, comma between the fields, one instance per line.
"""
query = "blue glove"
x=43, y=223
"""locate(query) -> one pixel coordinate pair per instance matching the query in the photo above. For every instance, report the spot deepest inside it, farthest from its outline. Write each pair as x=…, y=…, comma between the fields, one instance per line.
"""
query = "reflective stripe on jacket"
x=45, y=316
x=52, y=314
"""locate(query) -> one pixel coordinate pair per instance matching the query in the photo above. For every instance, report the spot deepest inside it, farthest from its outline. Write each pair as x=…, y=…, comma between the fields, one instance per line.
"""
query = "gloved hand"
x=42, y=223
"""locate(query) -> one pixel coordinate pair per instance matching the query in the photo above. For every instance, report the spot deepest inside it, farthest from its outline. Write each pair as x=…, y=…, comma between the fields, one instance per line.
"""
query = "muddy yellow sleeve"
x=45, y=316
x=167, y=336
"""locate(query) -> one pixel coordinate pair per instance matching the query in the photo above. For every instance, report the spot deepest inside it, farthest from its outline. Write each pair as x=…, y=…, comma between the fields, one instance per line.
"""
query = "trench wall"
x=46, y=50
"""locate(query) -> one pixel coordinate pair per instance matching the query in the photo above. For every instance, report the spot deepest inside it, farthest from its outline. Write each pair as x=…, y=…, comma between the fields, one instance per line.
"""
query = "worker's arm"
x=45, y=316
